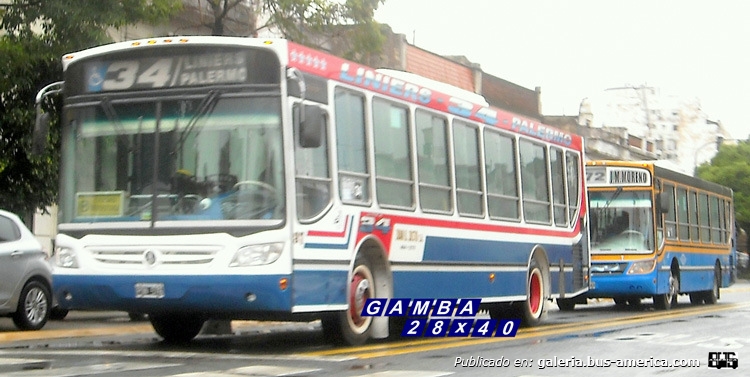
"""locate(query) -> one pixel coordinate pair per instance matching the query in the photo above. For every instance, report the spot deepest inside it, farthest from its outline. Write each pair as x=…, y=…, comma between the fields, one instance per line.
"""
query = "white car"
x=25, y=275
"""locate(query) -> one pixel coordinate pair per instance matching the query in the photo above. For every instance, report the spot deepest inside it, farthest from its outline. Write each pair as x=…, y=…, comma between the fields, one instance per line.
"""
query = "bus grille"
x=162, y=255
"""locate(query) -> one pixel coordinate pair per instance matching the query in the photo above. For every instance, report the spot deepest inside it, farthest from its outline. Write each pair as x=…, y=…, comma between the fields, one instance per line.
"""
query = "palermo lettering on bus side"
x=541, y=131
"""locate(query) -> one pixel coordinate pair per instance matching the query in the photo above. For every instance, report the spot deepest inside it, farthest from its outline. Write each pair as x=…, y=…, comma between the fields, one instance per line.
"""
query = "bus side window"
x=666, y=208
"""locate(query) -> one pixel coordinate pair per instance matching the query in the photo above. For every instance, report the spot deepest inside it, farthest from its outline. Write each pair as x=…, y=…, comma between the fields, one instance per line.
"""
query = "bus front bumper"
x=226, y=294
x=617, y=285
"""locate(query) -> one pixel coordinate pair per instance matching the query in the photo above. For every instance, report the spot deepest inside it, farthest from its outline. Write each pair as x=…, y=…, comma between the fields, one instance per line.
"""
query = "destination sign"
x=172, y=68
x=617, y=176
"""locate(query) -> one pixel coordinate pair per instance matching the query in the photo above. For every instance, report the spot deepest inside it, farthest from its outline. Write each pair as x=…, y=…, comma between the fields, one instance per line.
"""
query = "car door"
x=12, y=261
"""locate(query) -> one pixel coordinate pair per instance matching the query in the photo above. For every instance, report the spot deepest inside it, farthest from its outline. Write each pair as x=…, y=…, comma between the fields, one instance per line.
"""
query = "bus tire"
x=711, y=296
x=566, y=304
x=530, y=310
x=667, y=300
x=349, y=326
x=697, y=298
x=176, y=328
x=621, y=302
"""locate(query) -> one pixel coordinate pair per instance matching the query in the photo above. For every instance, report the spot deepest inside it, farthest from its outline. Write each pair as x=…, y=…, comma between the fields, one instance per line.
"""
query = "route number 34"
x=124, y=74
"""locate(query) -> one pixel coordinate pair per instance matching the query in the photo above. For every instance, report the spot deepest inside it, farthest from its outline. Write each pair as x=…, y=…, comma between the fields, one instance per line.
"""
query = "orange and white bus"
x=239, y=178
x=657, y=233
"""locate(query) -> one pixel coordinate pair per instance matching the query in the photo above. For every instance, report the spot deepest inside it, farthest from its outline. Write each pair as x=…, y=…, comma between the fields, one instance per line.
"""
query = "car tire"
x=34, y=306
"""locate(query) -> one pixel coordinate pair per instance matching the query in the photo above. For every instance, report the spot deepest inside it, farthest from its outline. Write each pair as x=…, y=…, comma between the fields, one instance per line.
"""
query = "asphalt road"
x=594, y=339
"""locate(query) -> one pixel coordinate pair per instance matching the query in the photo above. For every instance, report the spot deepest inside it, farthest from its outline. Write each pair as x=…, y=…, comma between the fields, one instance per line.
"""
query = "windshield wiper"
x=207, y=104
x=111, y=114
x=614, y=196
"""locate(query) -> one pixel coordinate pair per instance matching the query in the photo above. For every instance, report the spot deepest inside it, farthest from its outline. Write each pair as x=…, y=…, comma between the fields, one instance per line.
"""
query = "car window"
x=8, y=230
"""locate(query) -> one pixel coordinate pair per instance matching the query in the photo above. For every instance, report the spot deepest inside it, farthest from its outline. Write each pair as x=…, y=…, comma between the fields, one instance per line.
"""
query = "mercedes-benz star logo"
x=149, y=257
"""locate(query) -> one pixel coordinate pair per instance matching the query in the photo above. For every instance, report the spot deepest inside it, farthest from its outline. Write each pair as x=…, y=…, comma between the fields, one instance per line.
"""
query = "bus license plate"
x=149, y=290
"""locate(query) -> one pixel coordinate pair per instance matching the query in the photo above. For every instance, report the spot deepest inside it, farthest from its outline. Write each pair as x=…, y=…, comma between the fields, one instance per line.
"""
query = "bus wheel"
x=712, y=296
x=350, y=327
x=667, y=300
x=696, y=298
x=566, y=304
x=621, y=302
x=532, y=308
x=176, y=328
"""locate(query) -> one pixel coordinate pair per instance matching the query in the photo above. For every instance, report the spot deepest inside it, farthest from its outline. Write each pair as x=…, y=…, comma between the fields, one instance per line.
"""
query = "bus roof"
x=405, y=86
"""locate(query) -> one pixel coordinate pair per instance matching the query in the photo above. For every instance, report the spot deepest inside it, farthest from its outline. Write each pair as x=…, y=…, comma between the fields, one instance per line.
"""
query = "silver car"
x=25, y=275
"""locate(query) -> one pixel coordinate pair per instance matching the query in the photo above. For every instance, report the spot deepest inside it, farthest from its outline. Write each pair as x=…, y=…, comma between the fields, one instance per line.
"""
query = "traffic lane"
x=293, y=348
x=558, y=347
x=81, y=324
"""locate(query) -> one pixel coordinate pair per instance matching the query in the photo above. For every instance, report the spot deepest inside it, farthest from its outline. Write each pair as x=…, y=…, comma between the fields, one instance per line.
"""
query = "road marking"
x=89, y=370
x=174, y=355
x=423, y=345
x=406, y=373
x=14, y=336
x=254, y=370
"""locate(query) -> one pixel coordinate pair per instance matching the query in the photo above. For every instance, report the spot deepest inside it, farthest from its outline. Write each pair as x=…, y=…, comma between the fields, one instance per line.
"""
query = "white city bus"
x=238, y=178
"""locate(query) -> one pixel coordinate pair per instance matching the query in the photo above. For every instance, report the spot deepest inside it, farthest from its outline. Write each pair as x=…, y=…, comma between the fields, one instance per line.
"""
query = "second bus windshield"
x=621, y=222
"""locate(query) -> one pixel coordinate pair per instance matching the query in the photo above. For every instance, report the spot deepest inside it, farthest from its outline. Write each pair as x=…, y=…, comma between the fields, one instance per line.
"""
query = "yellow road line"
x=14, y=336
x=400, y=348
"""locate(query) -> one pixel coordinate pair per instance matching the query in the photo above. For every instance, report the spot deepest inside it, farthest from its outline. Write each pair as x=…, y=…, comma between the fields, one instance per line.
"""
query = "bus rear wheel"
x=711, y=296
x=530, y=311
x=350, y=327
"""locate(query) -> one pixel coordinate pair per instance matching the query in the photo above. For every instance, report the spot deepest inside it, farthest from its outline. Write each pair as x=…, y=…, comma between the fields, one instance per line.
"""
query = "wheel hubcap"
x=35, y=306
x=535, y=293
x=360, y=290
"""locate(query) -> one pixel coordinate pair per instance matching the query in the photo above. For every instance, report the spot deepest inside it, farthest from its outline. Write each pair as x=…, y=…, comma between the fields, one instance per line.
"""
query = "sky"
x=574, y=49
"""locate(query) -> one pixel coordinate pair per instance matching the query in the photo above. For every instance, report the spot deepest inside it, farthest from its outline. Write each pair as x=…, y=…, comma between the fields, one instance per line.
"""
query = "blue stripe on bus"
x=215, y=293
x=457, y=284
x=319, y=287
x=503, y=252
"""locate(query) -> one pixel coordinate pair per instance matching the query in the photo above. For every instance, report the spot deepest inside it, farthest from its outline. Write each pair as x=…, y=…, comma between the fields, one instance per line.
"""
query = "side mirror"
x=310, y=121
x=40, y=135
x=41, y=125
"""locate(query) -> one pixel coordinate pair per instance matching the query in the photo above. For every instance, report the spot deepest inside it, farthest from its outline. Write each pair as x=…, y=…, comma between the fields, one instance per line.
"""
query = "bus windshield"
x=621, y=222
x=207, y=157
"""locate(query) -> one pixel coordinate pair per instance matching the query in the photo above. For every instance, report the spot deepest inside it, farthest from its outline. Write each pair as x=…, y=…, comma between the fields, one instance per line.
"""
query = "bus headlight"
x=65, y=257
x=642, y=267
x=256, y=255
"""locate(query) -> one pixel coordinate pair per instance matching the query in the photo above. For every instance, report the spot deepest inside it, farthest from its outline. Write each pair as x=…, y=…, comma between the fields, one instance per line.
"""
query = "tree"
x=315, y=23
x=731, y=167
x=38, y=33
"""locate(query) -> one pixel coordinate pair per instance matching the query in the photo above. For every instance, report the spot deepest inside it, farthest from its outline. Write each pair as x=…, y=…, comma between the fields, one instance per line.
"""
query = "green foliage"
x=37, y=34
x=317, y=22
x=731, y=167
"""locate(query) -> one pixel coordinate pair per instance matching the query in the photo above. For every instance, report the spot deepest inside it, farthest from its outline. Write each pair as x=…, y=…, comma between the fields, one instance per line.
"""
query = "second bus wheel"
x=530, y=310
x=350, y=327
